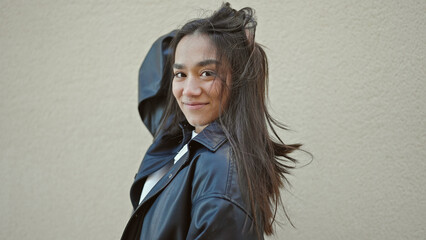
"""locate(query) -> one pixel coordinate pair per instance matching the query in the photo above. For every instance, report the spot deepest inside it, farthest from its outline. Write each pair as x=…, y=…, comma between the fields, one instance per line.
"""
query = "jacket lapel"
x=164, y=181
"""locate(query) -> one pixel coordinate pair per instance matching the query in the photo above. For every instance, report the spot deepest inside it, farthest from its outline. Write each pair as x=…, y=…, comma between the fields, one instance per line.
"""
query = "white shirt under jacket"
x=156, y=176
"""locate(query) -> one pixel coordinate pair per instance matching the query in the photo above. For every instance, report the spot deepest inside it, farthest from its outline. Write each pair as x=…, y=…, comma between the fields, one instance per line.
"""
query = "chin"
x=196, y=123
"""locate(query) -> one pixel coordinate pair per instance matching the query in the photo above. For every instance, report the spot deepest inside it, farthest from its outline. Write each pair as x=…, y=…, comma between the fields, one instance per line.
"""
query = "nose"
x=192, y=87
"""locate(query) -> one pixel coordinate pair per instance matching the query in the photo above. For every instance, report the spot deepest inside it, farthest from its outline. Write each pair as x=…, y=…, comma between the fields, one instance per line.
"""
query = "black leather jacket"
x=200, y=197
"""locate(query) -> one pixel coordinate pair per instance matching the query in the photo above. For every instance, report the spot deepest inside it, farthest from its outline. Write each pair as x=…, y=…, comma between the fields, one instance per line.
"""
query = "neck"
x=198, y=129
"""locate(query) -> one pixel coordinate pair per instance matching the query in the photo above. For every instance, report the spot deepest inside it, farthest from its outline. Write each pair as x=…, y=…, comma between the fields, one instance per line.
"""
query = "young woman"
x=213, y=171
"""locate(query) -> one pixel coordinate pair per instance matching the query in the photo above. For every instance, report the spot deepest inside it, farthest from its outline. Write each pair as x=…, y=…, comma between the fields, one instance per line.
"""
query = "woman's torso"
x=199, y=198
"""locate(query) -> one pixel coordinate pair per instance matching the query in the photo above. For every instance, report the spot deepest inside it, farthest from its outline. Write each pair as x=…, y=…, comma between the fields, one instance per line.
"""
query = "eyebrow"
x=200, y=64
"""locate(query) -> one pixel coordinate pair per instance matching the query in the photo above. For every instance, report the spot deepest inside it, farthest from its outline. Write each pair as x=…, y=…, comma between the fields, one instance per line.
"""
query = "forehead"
x=193, y=49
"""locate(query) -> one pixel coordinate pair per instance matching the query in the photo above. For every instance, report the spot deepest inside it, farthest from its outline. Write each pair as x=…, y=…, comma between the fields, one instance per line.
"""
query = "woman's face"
x=196, y=83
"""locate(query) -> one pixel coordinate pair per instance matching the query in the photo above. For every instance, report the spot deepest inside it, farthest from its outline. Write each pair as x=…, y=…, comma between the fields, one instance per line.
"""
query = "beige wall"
x=348, y=77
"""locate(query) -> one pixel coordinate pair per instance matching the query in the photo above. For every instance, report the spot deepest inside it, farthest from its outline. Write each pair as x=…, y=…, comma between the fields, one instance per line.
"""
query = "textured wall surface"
x=348, y=77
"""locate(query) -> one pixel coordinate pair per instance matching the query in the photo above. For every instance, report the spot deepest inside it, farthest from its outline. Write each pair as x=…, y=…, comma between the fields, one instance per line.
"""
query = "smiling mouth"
x=194, y=106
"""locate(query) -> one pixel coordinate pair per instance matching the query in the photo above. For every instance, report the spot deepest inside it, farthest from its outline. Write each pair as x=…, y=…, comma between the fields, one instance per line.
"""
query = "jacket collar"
x=165, y=147
x=163, y=150
x=212, y=137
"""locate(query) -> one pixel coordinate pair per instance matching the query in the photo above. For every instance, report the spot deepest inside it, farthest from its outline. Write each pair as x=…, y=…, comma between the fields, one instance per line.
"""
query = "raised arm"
x=154, y=82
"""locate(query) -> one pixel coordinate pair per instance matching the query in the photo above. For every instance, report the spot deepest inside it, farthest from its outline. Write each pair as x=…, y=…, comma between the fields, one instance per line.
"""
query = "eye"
x=179, y=75
x=208, y=74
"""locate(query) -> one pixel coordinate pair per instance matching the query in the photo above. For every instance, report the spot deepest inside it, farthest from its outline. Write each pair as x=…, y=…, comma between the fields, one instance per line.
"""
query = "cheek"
x=227, y=90
x=176, y=90
x=213, y=88
x=216, y=91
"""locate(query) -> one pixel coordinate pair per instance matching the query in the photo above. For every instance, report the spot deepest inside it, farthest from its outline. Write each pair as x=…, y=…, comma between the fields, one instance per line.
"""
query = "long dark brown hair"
x=262, y=157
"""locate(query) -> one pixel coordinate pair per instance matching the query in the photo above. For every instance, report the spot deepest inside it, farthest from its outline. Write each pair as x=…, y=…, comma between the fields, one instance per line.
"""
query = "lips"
x=194, y=105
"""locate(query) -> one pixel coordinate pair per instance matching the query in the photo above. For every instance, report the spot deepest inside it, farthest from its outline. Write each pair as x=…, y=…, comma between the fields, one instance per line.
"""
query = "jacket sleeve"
x=154, y=79
x=216, y=217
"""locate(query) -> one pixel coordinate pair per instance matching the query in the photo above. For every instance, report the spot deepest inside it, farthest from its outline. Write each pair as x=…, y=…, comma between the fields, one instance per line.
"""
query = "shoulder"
x=217, y=198
x=214, y=163
x=216, y=176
